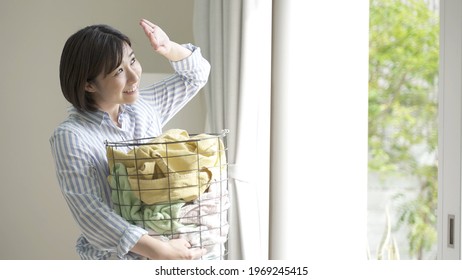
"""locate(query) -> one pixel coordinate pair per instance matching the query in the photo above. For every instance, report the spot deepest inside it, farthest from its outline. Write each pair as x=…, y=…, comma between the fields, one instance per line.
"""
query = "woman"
x=100, y=77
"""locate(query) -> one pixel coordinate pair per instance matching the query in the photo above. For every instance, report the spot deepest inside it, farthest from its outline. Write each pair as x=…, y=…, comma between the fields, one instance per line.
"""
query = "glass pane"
x=402, y=181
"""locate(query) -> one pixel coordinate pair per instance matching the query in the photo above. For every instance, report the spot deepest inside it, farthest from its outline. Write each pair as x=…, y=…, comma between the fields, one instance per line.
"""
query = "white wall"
x=36, y=223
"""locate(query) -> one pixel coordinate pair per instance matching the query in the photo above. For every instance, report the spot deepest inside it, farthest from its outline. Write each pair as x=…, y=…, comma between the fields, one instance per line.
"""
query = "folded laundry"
x=209, y=210
x=152, y=187
x=174, y=186
x=163, y=218
x=175, y=166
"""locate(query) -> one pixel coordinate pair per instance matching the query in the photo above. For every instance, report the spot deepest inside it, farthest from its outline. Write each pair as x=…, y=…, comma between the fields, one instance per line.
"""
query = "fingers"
x=190, y=253
x=180, y=242
x=158, y=38
x=147, y=27
x=197, y=253
x=147, y=22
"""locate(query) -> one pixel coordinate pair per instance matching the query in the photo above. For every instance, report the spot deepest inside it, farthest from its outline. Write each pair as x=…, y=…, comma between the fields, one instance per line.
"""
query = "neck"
x=113, y=114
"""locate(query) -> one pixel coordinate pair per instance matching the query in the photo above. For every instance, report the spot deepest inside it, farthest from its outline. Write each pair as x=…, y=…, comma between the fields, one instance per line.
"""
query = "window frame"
x=450, y=128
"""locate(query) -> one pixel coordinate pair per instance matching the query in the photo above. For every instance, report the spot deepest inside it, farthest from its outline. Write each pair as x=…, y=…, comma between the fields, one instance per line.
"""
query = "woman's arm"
x=102, y=227
x=82, y=187
x=192, y=70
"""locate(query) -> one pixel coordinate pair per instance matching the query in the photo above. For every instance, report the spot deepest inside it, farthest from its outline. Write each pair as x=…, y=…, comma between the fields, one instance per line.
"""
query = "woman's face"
x=118, y=87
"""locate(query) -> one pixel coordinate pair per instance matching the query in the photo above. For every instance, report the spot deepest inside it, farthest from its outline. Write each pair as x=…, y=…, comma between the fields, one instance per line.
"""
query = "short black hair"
x=87, y=53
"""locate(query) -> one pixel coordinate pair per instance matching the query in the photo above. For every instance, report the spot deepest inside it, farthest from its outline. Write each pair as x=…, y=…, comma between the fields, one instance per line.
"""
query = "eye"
x=132, y=61
x=118, y=71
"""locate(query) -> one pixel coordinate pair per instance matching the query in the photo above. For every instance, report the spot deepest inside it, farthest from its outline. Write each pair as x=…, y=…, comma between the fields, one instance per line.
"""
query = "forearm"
x=177, y=52
x=151, y=248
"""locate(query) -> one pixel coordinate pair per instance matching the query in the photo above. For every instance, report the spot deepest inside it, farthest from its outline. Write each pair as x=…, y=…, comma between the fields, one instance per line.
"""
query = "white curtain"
x=235, y=36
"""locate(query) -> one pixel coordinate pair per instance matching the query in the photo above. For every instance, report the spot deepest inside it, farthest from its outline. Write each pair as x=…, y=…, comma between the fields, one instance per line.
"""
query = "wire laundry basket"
x=174, y=186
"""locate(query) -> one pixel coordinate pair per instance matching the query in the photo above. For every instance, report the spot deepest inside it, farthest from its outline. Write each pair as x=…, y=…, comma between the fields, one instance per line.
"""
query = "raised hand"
x=160, y=42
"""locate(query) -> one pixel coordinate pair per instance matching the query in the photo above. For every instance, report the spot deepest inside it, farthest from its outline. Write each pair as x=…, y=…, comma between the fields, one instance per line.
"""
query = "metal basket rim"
x=142, y=141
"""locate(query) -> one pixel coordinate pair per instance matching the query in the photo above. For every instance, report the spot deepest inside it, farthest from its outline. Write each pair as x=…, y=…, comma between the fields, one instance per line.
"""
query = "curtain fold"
x=235, y=36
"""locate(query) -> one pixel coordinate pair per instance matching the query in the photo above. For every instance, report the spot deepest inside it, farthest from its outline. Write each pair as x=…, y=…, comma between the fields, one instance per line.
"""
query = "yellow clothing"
x=173, y=167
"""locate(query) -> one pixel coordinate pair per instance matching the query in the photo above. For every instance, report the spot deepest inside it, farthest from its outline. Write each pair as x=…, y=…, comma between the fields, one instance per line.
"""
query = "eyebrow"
x=130, y=55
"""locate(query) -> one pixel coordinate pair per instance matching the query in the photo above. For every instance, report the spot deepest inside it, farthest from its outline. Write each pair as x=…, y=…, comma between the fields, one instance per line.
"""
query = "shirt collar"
x=126, y=107
x=97, y=116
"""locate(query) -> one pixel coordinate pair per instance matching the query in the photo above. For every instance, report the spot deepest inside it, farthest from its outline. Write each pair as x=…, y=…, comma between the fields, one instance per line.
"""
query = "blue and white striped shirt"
x=79, y=151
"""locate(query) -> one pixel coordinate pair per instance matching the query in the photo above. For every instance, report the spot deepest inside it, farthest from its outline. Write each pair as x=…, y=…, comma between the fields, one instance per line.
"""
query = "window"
x=403, y=129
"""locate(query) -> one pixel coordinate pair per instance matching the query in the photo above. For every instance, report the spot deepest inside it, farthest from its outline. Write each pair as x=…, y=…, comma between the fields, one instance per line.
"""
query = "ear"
x=90, y=87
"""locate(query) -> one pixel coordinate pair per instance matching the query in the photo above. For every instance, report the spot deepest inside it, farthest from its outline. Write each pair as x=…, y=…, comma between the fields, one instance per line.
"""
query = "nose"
x=133, y=75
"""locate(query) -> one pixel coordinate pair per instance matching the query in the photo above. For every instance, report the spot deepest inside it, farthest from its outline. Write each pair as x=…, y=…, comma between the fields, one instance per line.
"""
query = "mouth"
x=131, y=90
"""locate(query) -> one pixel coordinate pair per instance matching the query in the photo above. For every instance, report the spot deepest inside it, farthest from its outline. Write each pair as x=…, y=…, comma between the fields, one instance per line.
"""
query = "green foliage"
x=403, y=72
